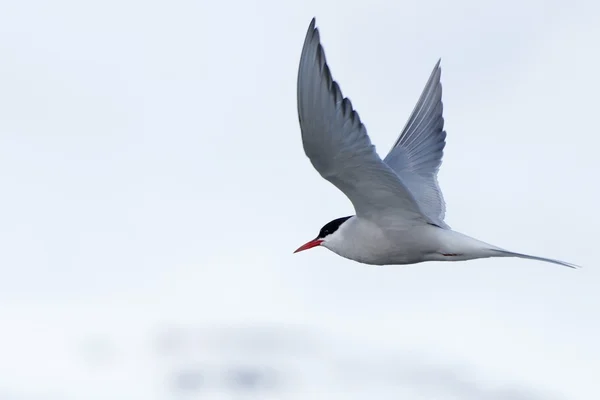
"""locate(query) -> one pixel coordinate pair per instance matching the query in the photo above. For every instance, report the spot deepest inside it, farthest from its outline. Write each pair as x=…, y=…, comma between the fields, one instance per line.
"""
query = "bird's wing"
x=337, y=144
x=417, y=154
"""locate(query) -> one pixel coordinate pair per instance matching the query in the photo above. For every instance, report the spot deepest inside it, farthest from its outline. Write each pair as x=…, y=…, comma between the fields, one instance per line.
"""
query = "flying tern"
x=398, y=203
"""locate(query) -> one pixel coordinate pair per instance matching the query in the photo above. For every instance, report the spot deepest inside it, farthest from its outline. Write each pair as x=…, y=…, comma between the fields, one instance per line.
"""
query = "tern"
x=398, y=203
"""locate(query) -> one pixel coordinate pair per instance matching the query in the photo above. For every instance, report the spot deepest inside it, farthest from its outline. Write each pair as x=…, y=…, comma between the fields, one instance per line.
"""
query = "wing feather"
x=417, y=153
x=336, y=142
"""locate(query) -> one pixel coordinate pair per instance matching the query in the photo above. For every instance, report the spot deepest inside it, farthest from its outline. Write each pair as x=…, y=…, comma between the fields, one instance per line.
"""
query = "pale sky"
x=152, y=175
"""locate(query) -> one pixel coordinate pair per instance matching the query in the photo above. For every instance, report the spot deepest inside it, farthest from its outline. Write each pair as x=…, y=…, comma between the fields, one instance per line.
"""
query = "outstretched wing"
x=417, y=154
x=337, y=144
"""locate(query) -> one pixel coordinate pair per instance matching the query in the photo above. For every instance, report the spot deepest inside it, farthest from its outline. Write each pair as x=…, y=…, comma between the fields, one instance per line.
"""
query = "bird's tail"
x=456, y=246
x=506, y=253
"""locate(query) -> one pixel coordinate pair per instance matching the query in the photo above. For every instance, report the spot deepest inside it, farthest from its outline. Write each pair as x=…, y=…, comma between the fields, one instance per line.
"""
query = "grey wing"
x=417, y=154
x=337, y=144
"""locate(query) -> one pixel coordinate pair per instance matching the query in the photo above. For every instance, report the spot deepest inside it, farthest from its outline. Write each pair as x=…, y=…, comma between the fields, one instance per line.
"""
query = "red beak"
x=309, y=245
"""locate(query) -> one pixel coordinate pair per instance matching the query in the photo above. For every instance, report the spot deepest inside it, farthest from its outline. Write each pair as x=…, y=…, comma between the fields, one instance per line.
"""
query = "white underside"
x=363, y=241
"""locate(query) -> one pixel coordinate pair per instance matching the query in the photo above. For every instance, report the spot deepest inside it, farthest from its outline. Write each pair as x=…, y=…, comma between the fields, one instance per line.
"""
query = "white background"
x=152, y=175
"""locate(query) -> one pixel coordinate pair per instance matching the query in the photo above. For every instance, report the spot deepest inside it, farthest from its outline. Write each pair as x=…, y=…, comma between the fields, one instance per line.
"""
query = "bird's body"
x=399, y=206
x=366, y=242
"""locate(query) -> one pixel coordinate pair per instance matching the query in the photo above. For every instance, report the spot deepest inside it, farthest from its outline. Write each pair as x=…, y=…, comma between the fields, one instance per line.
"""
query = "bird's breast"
x=367, y=243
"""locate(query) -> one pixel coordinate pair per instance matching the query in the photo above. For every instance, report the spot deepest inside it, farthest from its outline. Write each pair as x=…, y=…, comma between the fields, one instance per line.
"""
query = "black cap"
x=331, y=227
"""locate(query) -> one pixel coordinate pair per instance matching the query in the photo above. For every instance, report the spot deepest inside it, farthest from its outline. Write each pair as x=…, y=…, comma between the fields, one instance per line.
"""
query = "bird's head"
x=329, y=232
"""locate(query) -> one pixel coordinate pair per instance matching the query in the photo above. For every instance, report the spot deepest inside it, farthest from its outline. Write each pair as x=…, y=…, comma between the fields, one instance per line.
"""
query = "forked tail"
x=506, y=253
x=455, y=246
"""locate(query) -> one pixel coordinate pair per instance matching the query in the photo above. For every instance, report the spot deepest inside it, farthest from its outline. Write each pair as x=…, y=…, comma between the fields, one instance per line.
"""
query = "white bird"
x=398, y=203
